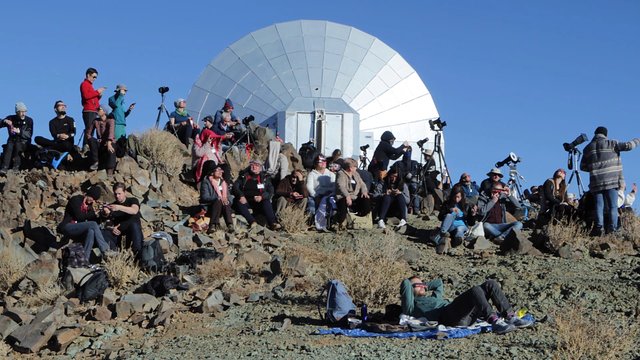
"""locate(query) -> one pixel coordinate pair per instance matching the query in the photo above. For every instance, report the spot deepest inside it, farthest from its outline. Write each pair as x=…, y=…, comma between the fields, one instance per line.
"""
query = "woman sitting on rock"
x=215, y=196
x=454, y=215
x=396, y=194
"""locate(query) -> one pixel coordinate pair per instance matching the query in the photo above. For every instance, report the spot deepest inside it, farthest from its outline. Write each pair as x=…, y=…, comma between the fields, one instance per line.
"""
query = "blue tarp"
x=447, y=333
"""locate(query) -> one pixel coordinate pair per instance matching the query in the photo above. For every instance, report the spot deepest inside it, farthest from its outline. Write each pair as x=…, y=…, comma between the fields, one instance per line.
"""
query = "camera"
x=437, y=124
x=364, y=147
x=511, y=159
x=163, y=89
x=248, y=119
x=572, y=145
x=422, y=142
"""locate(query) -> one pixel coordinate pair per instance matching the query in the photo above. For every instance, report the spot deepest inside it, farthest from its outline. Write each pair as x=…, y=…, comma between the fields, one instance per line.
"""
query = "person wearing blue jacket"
x=116, y=102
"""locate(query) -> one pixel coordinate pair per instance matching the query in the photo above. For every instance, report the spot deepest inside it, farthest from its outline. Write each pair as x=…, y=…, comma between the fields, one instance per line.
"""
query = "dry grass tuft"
x=577, y=332
x=631, y=228
x=45, y=295
x=163, y=150
x=12, y=268
x=293, y=219
x=122, y=269
x=568, y=232
x=5, y=350
x=214, y=272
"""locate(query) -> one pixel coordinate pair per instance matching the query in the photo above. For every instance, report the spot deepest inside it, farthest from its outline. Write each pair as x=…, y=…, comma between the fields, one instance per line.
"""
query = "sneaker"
x=402, y=223
x=275, y=227
x=498, y=240
x=230, y=229
x=596, y=232
x=93, y=166
x=381, y=224
x=213, y=228
x=519, y=322
x=444, y=246
x=252, y=225
x=501, y=327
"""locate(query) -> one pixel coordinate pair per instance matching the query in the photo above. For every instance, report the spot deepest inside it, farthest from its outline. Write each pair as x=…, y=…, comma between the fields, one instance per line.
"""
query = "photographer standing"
x=20, y=128
x=385, y=152
x=602, y=160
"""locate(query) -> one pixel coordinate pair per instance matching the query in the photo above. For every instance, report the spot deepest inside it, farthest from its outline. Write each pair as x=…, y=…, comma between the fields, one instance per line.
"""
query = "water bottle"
x=363, y=312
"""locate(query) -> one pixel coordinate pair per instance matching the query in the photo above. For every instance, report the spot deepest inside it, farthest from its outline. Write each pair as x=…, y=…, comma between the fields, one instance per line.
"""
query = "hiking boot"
x=94, y=166
x=231, y=229
x=519, y=322
x=253, y=225
x=381, y=224
x=275, y=227
x=501, y=327
x=402, y=223
x=498, y=240
x=595, y=232
x=457, y=241
x=444, y=246
x=213, y=228
x=3, y=172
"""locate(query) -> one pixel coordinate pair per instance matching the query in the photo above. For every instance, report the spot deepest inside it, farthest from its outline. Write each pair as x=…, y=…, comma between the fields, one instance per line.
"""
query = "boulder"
x=517, y=243
x=213, y=303
x=254, y=258
x=7, y=326
x=30, y=338
x=100, y=313
x=132, y=303
x=147, y=213
x=296, y=265
x=185, y=238
x=44, y=270
x=63, y=337
x=481, y=243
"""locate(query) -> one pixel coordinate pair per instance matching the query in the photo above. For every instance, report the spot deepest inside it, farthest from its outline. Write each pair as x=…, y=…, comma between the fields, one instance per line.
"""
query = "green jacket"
x=423, y=306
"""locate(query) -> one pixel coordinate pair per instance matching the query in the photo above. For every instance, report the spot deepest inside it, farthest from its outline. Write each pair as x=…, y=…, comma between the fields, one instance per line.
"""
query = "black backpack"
x=196, y=257
x=151, y=256
x=94, y=287
x=73, y=256
x=308, y=154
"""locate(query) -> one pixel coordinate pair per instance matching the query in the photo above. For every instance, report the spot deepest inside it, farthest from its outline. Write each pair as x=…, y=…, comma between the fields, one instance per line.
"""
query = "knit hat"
x=228, y=104
x=121, y=87
x=495, y=171
x=20, y=106
x=208, y=118
x=94, y=193
x=601, y=130
x=177, y=102
x=255, y=161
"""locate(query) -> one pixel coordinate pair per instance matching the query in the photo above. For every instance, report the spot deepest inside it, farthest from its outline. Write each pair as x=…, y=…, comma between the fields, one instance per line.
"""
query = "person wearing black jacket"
x=124, y=214
x=63, y=131
x=80, y=222
x=20, y=128
x=253, y=189
x=292, y=190
x=385, y=152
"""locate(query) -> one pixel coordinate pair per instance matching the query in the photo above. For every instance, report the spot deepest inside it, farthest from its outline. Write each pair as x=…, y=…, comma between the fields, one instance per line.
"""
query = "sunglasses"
x=419, y=285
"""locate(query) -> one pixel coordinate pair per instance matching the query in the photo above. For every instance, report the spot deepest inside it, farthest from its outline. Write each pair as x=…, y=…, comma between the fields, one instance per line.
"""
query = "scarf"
x=182, y=112
x=220, y=187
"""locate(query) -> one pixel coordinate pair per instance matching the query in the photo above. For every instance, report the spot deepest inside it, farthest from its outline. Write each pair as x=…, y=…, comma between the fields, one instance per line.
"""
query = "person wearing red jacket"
x=90, y=100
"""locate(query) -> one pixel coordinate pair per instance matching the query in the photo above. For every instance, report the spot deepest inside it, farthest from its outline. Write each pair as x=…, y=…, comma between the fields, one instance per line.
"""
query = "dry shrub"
x=568, y=232
x=164, y=151
x=597, y=337
x=216, y=271
x=293, y=219
x=122, y=269
x=5, y=350
x=371, y=267
x=631, y=228
x=45, y=295
x=12, y=268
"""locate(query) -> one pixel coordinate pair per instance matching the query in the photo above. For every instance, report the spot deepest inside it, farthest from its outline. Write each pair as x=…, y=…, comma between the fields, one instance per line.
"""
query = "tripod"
x=515, y=182
x=442, y=163
x=160, y=110
x=574, y=158
x=364, y=160
x=247, y=133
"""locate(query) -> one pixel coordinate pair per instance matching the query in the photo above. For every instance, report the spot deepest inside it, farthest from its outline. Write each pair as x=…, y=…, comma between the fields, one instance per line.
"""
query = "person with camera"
x=602, y=160
x=215, y=196
x=254, y=189
x=494, y=176
x=292, y=191
x=351, y=192
x=385, y=152
x=207, y=146
x=123, y=217
x=394, y=192
x=102, y=146
x=420, y=299
x=222, y=123
x=493, y=209
x=90, y=99
x=63, y=131
x=181, y=123
x=470, y=188
x=456, y=214
x=20, y=129
x=116, y=102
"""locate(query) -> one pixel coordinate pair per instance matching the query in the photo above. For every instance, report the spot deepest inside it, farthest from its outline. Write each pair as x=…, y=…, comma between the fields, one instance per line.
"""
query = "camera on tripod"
x=163, y=89
x=364, y=147
x=247, y=120
x=512, y=159
x=437, y=124
x=569, y=147
x=422, y=142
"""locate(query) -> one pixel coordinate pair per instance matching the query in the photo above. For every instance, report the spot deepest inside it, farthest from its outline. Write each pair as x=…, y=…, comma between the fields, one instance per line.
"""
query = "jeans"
x=263, y=206
x=610, y=199
x=473, y=304
x=91, y=232
x=448, y=227
x=502, y=229
x=400, y=202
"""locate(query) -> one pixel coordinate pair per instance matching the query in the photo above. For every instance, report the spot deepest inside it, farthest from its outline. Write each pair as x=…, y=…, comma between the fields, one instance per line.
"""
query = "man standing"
x=116, y=102
x=20, y=128
x=602, y=160
x=90, y=100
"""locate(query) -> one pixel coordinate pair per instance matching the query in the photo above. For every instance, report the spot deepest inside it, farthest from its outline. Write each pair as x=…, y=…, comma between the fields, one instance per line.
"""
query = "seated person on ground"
x=553, y=199
x=63, y=131
x=207, y=146
x=224, y=119
x=20, y=129
x=320, y=183
x=494, y=176
x=455, y=215
x=215, y=196
x=336, y=158
x=181, y=123
x=625, y=202
x=253, y=189
x=351, y=192
x=102, y=146
x=471, y=189
x=493, y=210
x=124, y=214
x=410, y=169
x=80, y=222
x=426, y=300
x=395, y=197
x=292, y=191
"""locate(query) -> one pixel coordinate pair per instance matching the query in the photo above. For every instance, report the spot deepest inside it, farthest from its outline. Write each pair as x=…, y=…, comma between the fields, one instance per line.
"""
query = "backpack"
x=308, y=154
x=196, y=257
x=151, y=256
x=73, y=256
x=94, y=287
x=339, y=305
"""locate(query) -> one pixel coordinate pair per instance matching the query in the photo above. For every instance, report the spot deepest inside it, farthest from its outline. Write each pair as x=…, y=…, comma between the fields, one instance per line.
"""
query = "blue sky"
x=506, y=75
